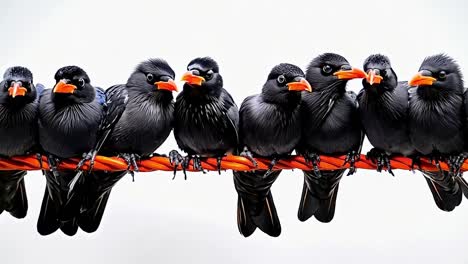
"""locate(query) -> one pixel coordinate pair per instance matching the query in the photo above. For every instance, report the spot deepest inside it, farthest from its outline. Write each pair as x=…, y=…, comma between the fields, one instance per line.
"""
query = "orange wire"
x=229, y=162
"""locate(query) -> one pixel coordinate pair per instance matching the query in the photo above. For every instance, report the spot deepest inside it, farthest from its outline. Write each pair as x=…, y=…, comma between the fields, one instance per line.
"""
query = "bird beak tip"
x=354, y=73
x=192, y=79
x=169, y=85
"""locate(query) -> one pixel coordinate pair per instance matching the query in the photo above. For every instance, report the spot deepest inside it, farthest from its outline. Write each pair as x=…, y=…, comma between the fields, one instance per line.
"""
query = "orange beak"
x=420, y=80
x=192, y=79
x=301, y=85
x=170, y=85
x=17, y=90
x=63, y=87
x=372, y=77
x=354, y=73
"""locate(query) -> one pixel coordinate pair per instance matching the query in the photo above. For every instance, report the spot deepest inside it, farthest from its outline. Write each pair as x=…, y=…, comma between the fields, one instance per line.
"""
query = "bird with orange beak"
x=18, y=134
x=436, y=123
x=270, y=127
x=138, y=119
x=383, y=107
x=206, y=116
x=330, y=126
x=69, y=117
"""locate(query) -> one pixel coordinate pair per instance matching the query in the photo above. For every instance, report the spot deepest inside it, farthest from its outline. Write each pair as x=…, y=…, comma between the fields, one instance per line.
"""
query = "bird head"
x=17, y=85
x=153, y=76
x=285, y=83
x=438, y=73
x=73, y=86
x=379, y=73
x=203, y=74
x=331, y=71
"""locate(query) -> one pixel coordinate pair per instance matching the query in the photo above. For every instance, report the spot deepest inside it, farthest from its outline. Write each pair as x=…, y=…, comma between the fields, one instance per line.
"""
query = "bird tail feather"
x=255, y=206
x=13, y=197
x=319, y=195
x=445, y=189
x=97, y=192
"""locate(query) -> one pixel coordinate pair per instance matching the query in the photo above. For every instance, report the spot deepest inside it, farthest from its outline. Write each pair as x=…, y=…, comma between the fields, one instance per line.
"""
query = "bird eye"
x=209, y=75
x=81, y=82
x=150, y=77
x=327, y=69
x=442, y=75
x=281, y=79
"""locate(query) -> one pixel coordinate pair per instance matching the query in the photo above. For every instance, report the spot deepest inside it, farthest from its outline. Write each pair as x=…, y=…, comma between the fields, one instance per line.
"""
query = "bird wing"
x=354, y=98
x=115, y=102
x=232, y=114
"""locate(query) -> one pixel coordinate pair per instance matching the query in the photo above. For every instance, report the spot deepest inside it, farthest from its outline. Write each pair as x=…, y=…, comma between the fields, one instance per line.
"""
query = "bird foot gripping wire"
x=351, y=158
x=455, y=163
x=131, y=159
x=89, y=156
x=314, y=159
x=175, y=159
x=381, y=159
x=272, y=164
x=247, y=154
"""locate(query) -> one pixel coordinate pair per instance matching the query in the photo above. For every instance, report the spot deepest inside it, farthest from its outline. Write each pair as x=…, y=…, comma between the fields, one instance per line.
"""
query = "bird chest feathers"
x=18, y=129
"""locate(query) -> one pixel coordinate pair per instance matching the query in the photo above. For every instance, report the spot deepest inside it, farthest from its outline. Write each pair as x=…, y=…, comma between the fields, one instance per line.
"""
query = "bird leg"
x=175, y=159
x=131, y=160
x=351, y=158
x=39, y=159
x=455, y=163
x=89, y=156
x=218, y=163
x=196, y=164
x=247, y=154
x=270, y=167
x=314, y=159
x=53, y=162
x=380, y=158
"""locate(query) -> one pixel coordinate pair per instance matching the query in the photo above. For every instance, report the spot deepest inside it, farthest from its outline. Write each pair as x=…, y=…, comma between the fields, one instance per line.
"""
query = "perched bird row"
x=309, y=113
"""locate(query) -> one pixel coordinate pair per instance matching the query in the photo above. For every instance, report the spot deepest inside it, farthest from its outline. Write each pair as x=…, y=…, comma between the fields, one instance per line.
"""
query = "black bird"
x=437, y=123
x=270, y=126
x=140, y=116
x=18, y=134
x=206, y=116
x=69, y=119
x=383, y=107
x=331, y=126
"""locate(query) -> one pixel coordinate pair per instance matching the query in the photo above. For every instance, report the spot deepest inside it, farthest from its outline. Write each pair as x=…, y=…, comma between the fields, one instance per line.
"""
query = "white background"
x=379, y=219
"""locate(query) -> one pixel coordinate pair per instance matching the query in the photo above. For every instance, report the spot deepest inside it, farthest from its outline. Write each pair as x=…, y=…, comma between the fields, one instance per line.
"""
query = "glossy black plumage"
x=270, y=126
x=437, y=123
x=139, y=118
x=18, y=135
x=331, y=126
x=68, y=127
x=206, y=116
x=383, y=108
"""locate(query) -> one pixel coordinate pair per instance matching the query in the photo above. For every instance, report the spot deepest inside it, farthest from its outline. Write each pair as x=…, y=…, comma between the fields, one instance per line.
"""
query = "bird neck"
x=201, y=92
x=289, y=100
x=430, y=93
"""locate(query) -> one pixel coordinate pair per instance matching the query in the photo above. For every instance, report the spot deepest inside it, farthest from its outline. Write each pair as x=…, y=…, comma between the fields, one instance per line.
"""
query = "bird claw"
x=456, y=162
x=90, y=156
x=39, y=159
x=52, y=162
x=247, y=154
x=314, y=159
x=270, y=167
x=218, y=163
x=381, y=159
x=351, y=158
x=131, y=160
x=196, y=164
x=175, y=159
